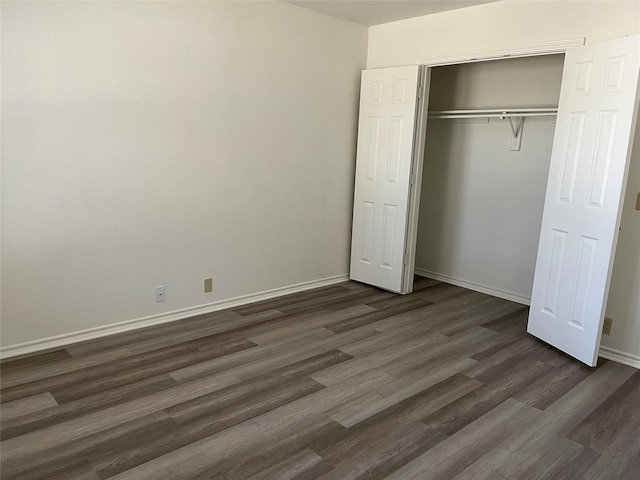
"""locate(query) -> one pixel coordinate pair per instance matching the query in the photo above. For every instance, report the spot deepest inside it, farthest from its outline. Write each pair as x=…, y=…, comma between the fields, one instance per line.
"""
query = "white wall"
x=517, y=22
x=624, y=294
x=481, y=203
x=507, y=22
x=528, y=82
x=149, y=143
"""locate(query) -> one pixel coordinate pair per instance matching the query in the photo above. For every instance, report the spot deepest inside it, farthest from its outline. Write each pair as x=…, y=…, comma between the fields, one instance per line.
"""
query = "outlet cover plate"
x=606, y=327
x=160, y=293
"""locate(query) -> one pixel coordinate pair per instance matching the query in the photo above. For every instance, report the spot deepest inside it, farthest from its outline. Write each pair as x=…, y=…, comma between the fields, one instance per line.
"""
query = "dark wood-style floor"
x=343, y=382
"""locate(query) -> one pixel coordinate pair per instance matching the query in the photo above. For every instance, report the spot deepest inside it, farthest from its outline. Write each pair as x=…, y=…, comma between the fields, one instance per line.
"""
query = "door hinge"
x=405, y=261
x=412, y=179
x=420, y=89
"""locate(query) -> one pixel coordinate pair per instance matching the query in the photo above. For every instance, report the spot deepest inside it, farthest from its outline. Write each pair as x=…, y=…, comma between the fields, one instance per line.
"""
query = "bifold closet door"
x=583, y=203
x=386, y=133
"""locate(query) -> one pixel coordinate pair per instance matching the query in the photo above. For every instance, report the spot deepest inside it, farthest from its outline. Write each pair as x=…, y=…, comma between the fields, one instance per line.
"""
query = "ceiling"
x=375, y=12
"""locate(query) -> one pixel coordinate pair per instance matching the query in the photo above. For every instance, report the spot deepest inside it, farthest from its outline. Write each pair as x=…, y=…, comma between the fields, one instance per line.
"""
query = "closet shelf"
x=515, y=116
x=495, y=113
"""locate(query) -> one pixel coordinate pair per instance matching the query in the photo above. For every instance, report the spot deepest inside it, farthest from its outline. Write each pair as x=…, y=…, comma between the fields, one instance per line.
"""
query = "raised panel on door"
x=587, y=179
x=386, y=130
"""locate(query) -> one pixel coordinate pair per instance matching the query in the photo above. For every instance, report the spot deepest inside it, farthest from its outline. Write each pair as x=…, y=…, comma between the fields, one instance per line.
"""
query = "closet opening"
x=487, y=220
x=489, y=139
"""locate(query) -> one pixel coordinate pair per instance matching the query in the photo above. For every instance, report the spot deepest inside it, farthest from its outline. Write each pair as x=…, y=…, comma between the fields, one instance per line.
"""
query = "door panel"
x=587, y=178
x=386, y=130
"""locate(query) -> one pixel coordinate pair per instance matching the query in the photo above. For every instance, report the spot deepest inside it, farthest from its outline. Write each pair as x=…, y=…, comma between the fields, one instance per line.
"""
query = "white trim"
x=136, y=323
x=417, y=163
x=620, y=357
x=478, y=287
x=498, y=53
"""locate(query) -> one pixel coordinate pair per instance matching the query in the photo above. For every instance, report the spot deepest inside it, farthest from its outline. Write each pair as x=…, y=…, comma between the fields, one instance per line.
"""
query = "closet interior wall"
x=481, y=203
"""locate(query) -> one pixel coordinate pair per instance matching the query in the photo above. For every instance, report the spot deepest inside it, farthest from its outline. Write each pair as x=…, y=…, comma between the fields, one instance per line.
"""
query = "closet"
x=501, y=195
x=482, y=193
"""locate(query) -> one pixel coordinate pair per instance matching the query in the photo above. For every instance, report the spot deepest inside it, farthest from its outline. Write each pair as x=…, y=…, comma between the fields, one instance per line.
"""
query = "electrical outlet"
x=606, y=327
x=160, y=294
x=208, y=285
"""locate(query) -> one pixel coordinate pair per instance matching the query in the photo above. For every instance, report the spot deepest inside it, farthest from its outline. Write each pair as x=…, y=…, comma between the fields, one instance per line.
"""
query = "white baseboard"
x=620, y=357
x=136, y=323
x=478, y=287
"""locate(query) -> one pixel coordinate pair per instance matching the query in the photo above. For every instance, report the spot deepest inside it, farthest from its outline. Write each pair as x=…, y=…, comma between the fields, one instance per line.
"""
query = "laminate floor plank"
x=448, y=292
x=151, y=333
x=631, y=470
x=562, y=416
x=388, y=439
x=25, y=406
x=375, y=315
x=207, y=423
x=396, y=299
x=207, y=329
x=606, y=467
x=371, y=298
x=476, y=317
x=500, y=360
x=345, y=382
x=78, y=408
x=388, y=341
x=455, y=453
x=420, y=283
x=244, y=357
x=51, y=369
x=429, y=316
x=37, y=463
x=113, y=374
x=290, y=468
x=17, y=448
x=286, y=420
x=106, y=382
x=477, y=403
x=257, y=457
x=22, y=363
x=299, y=323
x=340, y=373
x=78, y=471
x=358, y=454
x=546, y=390
x=361, y=408
x=613, y=427
x=248, y=361
x=516, y=318
x=274, y=304
x=179, y=465
x=439, y=349
x=278, y=360
x=564, y=459
x=193, y=408
x=338, y=301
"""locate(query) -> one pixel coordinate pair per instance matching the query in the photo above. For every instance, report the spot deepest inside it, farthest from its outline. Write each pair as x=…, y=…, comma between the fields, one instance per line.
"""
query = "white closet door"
x=587, y=178
x=386, y=129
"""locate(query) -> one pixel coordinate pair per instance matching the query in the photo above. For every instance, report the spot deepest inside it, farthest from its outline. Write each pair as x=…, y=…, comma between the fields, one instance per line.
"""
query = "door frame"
x=454, y=58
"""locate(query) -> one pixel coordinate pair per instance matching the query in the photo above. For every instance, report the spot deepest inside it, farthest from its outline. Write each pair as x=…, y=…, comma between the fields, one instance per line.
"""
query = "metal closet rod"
x=495, y=113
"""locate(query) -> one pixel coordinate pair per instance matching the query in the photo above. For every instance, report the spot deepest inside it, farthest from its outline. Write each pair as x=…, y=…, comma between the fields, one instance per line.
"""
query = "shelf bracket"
x=517, y=125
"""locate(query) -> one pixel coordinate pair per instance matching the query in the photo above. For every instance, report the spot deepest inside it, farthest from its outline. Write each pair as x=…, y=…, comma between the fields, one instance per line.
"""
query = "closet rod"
x=490, y=115
x=515, y=116
x=495, y=113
